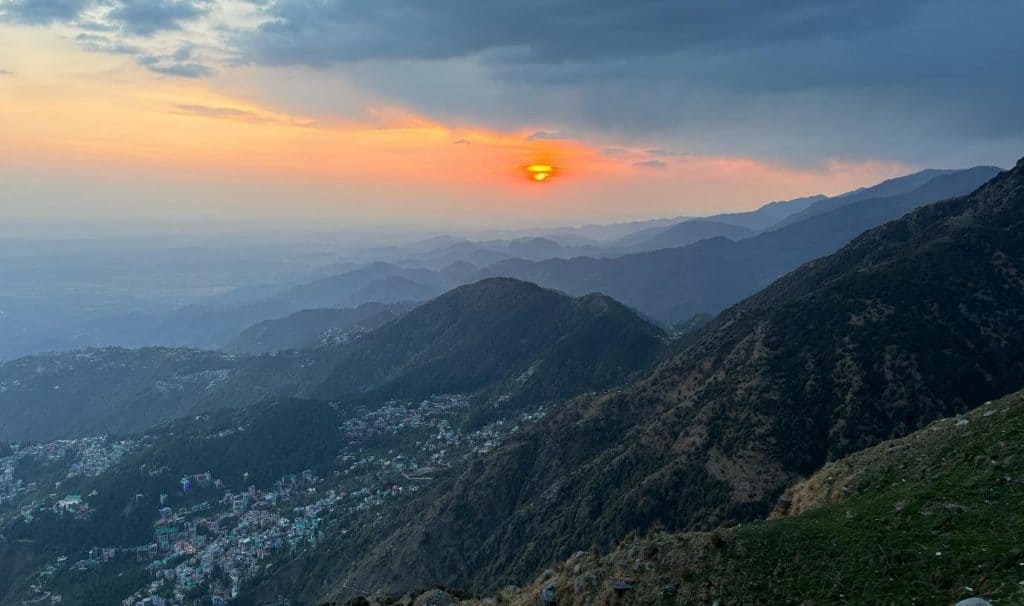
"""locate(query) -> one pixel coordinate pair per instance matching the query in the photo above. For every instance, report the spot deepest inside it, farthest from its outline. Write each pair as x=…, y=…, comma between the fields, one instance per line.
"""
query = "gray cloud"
x=543, y=135
x=229, y=113
x=547, y=31
x=146, y=17
x=119, y=27
x=167, y=66
x=135, y=17
x=651, y=164
x=42, y=12
x=96, y=43
x=853, y=77
x=666, y=153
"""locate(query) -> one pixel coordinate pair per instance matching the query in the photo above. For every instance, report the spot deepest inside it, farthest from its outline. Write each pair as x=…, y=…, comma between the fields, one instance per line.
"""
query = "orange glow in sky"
x=107, y=138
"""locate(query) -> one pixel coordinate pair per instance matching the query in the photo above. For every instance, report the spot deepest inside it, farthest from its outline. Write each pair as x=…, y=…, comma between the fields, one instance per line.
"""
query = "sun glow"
x=540, y=172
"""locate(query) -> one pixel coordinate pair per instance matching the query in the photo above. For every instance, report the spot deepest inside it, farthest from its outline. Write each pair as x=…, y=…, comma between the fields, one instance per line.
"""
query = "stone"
x=974, y=602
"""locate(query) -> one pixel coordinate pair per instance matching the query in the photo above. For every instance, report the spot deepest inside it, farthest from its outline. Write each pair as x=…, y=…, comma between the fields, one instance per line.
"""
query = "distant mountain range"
x=912, y=321
x=671, y=285
x=712, y=262
x=498, y=338
x=683, y=234
x=670, y=269
x=313, y=327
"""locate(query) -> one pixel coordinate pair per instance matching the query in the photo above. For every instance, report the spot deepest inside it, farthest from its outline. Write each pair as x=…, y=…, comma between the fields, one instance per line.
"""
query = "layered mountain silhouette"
x=686, y=233
x=311, y=327
x=498, y=338
x=672, y=285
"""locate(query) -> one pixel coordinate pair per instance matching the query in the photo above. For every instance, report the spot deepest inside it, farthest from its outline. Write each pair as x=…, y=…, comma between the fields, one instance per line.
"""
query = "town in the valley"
x=204, y=552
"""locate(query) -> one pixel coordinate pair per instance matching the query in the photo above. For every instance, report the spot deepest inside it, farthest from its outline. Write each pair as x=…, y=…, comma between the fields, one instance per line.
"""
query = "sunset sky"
x=409, y=112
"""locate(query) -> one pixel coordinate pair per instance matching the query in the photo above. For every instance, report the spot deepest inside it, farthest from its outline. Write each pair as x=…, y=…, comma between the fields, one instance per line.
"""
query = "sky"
x=387, y=112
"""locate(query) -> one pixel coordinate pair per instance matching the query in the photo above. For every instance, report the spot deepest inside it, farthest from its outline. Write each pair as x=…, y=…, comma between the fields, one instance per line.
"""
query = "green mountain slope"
x=912, y=321
x=502, y=333
x=931, y=518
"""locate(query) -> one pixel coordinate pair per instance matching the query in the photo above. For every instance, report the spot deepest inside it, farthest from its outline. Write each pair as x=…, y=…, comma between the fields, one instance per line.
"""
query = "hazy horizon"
x=366, y=234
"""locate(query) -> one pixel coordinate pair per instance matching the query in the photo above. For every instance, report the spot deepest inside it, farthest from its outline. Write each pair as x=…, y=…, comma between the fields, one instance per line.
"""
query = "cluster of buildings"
x=96, y=455
x=399, y=415
x=341, y=336
x=85, y=457
x=204, y=552
x=212, y=549
x=11, y=488
x=207, y=379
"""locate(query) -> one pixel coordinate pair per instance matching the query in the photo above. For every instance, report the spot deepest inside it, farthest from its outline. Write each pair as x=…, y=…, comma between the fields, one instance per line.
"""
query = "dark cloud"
x=546, y=31
x=613, y=151
x=6, y=72
x=737, y=76
x=42, y=12
x=651, y=164
x=921, y=81
x=147, y=17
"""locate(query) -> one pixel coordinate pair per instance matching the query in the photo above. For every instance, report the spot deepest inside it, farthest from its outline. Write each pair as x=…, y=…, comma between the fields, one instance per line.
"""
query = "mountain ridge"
x=476, y=338
x=672, y=285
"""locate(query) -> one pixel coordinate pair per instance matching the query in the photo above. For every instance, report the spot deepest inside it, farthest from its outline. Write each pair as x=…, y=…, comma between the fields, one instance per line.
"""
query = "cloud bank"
x=923, y=80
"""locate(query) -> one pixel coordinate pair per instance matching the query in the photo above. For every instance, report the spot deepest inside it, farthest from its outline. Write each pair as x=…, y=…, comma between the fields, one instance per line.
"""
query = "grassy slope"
x=871, y=531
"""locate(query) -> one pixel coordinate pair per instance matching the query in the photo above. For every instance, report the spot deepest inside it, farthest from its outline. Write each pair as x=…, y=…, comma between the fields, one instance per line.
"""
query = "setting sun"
x=540, y=172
